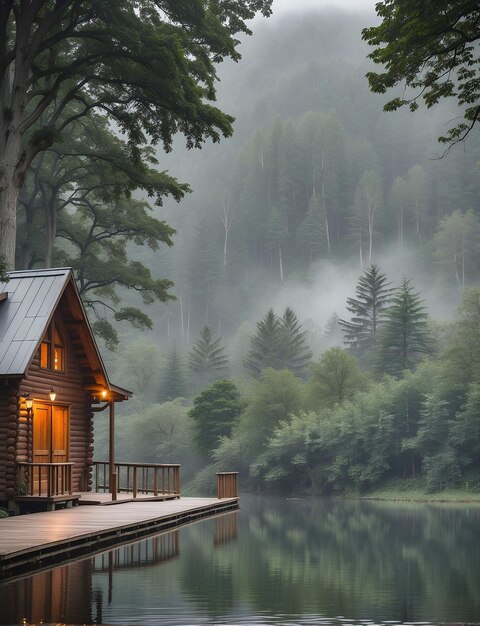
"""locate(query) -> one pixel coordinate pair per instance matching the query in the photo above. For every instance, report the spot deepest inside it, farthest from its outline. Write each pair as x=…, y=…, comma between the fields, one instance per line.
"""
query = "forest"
x=298, y=302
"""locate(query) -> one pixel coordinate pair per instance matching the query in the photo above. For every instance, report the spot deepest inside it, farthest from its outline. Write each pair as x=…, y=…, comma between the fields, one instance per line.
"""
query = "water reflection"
x=277, y=561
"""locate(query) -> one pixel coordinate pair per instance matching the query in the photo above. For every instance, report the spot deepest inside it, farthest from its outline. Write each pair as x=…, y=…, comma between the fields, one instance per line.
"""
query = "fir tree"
x=265, y=345
x=279, y=343
x=173, y=382
x=405, y=337
x=312, y=234
x=207, y=358
x=296, y=354
x=368, y=311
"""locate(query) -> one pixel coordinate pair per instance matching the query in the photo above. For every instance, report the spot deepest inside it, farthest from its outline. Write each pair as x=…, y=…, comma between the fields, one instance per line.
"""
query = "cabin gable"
x=47, y=347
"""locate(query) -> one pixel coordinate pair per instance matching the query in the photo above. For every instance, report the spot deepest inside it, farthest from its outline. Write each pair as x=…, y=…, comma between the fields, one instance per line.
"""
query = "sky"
x=297, y=6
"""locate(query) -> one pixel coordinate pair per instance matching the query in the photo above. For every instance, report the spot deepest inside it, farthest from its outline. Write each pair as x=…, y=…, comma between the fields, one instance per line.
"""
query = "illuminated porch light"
x=104, y=393
x=53, y=395
x=28, y=401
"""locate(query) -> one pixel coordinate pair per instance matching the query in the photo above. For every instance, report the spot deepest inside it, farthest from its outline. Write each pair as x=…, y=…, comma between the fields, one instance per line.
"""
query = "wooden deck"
x=32, y=541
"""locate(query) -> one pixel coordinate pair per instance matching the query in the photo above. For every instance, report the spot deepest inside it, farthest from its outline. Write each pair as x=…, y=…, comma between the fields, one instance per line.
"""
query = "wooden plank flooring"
x=42, y=536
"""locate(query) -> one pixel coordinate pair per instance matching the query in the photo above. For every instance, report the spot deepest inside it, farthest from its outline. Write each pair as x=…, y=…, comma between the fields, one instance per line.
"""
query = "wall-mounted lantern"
x=28, y=402
x=53, y=395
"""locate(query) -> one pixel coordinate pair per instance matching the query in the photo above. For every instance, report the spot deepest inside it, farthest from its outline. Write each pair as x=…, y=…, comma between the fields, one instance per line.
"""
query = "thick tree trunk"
x=9, y=190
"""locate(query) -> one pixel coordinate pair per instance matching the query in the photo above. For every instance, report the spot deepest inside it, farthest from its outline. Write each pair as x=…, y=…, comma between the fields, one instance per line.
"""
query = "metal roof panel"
x=32, y=298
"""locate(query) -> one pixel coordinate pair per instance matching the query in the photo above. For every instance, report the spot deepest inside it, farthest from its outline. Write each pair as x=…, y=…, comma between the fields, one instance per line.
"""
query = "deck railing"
x=227, y=484
x=139, y=478
x=44, y=479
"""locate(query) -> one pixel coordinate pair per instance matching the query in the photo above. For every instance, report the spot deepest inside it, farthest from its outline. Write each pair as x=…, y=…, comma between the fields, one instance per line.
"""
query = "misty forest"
x=298, y=301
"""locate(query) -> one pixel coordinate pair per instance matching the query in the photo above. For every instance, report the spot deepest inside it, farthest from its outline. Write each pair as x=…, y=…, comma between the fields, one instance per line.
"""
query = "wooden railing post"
x=44, y=479
x=114, y=486
x=227, y=485
x=139, y=479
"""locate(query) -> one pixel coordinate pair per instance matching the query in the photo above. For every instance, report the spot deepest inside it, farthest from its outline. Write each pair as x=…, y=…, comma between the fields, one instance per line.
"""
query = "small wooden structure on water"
x=52, y=381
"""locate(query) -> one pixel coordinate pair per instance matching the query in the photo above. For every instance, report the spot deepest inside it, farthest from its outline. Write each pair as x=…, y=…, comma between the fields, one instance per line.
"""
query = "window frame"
x=49, y=340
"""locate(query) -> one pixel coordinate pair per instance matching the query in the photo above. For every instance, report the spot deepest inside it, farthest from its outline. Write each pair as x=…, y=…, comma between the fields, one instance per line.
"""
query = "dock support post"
x=227, y=485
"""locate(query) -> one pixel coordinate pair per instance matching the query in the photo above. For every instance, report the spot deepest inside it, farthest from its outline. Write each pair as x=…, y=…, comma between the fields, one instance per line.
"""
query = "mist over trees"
x=346, y=387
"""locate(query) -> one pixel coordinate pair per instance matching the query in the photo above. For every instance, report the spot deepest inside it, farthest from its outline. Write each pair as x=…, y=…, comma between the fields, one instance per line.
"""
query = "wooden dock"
x=34, y=541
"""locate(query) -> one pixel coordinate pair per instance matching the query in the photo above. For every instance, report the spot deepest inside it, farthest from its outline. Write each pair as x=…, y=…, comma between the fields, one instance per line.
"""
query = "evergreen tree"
x=207, y=358
x=279, y=344
x=295, y=354
x=405, y=336
x=215, y=411
x=265, y=345
x=311, y=234
x=368, y=311
x=173, y=383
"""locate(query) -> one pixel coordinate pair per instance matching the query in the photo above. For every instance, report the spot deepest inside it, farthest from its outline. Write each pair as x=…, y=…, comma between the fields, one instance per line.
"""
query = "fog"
x=306, y=121
x=281, y=7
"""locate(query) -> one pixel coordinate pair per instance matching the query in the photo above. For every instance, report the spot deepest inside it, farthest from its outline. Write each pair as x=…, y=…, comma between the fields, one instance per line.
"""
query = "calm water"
x=277, y=561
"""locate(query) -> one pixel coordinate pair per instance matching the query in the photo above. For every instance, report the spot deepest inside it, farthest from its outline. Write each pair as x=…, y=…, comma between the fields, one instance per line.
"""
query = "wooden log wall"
x=8, y=437
x=70, y=392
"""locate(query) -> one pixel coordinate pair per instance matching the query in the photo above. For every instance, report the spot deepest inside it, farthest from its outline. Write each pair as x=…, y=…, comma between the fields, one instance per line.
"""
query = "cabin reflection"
x=153, y=551
x=67, y=595
x=225, y=529
x=59, y=595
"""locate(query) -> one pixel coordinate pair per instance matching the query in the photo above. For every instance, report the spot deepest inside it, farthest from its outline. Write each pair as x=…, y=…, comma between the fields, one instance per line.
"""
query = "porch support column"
x=111, y=452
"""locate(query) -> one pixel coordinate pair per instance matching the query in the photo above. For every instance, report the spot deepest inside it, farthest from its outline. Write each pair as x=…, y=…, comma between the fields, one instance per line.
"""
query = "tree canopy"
x=149, y=65
x=429, y=46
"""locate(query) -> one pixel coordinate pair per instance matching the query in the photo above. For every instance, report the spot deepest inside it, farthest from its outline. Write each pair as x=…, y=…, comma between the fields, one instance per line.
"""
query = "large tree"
x=91, y=166
x=215, y=411
x=429, y=46
x=279, y=343
x=405, y=336
x=149, y=64
x=368, y=310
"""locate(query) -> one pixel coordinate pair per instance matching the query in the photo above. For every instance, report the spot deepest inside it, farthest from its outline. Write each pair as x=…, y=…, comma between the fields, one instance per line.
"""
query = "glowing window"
x=58, y=353
x=52, y=351
x=44, y=354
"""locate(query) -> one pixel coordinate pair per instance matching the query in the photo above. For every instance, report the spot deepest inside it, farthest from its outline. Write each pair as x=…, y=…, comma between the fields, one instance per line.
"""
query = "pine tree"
x=404, y=337
x=311, y=235
x=368, y=311
x=296, y=354
x=173, y=383
x=265, y=345
x=207, y=358
x=279, y=343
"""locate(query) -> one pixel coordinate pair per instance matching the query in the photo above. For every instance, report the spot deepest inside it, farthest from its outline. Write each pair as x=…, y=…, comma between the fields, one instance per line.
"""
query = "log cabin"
x=52, y=381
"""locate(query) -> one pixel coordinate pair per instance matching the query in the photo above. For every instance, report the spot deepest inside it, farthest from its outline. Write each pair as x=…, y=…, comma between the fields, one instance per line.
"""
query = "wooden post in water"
x=227, y=485
x=111, y=450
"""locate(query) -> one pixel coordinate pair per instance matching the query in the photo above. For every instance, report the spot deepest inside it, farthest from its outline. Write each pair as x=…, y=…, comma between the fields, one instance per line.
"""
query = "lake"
x=276, y=561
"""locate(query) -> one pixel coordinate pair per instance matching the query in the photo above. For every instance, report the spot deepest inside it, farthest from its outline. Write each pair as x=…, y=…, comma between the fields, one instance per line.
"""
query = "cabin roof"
x=27, y=304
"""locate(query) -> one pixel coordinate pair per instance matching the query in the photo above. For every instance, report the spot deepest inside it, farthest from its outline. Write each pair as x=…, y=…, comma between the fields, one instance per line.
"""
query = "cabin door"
x=50, y=434
x=50, y=438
